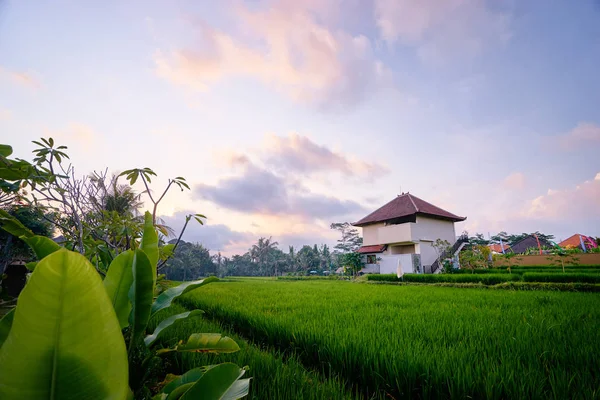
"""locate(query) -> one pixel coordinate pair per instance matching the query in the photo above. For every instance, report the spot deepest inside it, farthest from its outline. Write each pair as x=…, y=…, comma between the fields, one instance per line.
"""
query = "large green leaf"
x=170, y=322
x=150, y=242
x=5, y=325
x=190, y=376
x=140, y=295
x=117, y=283
x=5, y=150
x=165, y=299
x=13, y=226
x=42, y=246
x=179, y=391
x=205, y=343
x=221, y=382
x=65, y=341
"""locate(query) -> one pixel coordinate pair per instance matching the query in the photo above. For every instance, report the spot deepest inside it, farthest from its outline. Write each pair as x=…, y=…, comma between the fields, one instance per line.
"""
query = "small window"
x=371, y=259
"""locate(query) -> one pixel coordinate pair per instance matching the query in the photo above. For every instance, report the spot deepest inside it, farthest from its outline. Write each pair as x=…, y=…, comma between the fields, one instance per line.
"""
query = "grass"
x=486, y=279
x=565, y=278
x=421, y=341
x=273, y=375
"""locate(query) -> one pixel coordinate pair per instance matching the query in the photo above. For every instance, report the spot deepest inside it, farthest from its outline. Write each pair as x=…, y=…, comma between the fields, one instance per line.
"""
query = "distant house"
x=576, y=240
x=497, y=248
x=401, y=234
x=529, y=242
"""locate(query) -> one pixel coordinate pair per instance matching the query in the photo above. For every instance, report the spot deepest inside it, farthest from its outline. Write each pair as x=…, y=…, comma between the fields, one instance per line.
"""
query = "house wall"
x=428, y=230
x=402, y=249
x=370, y=234
x=389, y=263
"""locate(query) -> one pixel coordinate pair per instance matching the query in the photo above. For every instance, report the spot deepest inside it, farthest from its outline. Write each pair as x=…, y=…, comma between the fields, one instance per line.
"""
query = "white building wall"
x=389, y=263
x=371, y=234
x=428, y=230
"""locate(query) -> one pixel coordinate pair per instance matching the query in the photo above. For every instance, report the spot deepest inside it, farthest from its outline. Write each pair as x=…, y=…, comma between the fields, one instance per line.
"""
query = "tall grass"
x=566, y=278
x=422, y=342
x=273, y=375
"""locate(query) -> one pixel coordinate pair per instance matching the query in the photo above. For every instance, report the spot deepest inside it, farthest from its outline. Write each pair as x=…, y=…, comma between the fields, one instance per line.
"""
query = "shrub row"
x=487, y=279
x=526, y=269
x=565, y=278
x=311, y=278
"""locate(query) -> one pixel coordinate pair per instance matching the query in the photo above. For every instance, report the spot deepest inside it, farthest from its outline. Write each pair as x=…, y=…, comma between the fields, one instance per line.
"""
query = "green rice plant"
x=421, y=341
x=559, y=277
x=275, y=375
x=486, y=279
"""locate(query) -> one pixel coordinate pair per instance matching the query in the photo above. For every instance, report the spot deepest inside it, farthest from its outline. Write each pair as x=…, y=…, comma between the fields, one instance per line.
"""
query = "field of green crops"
x=391, y=342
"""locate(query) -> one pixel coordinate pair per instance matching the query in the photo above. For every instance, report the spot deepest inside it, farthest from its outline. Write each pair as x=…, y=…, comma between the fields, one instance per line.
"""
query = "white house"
x=399, y=235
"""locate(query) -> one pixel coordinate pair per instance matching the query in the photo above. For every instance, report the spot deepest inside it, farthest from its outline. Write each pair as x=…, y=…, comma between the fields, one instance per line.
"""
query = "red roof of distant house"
x=405, y=205
x=496, y=248
x=377, y=248
x=574, y=241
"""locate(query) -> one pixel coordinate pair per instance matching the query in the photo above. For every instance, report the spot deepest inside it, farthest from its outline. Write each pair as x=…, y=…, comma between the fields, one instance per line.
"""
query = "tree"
x=308, y=259
x=325, y=258
x=478, y=239
x=350, y=239
x=190, y=261
x=352, y=262
x=441, y=248
x=262, y=254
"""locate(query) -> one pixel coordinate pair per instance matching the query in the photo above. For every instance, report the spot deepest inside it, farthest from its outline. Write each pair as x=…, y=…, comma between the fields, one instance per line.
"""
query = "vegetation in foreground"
x=422, y=342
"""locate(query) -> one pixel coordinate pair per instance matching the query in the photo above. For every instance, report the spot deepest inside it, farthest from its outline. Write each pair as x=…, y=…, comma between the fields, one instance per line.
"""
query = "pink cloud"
x=5, y=114
x=442, y=29
x=580, y=202
x=285, y=45
x=21, y=78
x=514, y=181
x=584, y=134
x=300, y=154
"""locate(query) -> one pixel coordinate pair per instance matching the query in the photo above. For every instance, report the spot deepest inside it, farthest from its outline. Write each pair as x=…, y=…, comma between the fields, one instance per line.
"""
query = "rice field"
x=385, y=341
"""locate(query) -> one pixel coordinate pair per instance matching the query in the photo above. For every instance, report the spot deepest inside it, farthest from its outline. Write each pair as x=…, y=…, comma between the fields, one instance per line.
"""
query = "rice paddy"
x=386, y=341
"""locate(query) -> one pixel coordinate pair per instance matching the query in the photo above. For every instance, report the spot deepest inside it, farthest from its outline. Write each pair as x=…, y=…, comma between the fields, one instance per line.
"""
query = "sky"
x=285, y=116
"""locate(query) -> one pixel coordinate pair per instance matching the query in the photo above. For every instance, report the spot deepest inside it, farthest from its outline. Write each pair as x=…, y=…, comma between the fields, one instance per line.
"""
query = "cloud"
x=213, y=237
x=76, y=134
x=262, y=192
x=21, y=78
x=287, y=46
x=578, y=203
x=297, y=153
x=5, y=114
x=514, y=181
x=584, y=134
x=442, y=29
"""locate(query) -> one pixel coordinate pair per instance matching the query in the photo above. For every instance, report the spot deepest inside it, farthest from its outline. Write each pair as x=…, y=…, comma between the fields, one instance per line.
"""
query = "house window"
x=371, y=259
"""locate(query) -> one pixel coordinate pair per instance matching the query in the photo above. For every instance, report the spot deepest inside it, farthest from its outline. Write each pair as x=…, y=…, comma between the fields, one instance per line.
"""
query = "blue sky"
x=286, y=117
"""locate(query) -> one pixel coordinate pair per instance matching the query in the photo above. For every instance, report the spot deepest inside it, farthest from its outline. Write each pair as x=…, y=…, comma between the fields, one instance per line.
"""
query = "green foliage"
x=558, y=277
x=521, y=343
x=5, y=325
x=352, y=262
x=165, y=299
x=486, y=279
x=350, y=239
x=69, y=295
x=117, y=283
x=189, y=261
x=169, y=323
x=65, y=341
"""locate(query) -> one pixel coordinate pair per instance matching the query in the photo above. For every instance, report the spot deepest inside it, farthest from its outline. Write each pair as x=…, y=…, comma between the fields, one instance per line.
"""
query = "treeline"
x=264, y=258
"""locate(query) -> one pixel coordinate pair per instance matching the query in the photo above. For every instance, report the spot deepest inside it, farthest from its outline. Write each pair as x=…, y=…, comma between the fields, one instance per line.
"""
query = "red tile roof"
x=497, y=248
x=574, y=241
x=405, y=205
x=378, y=248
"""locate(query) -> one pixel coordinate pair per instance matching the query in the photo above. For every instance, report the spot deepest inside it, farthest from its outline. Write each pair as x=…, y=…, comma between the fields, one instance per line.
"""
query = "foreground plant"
x=64, y=338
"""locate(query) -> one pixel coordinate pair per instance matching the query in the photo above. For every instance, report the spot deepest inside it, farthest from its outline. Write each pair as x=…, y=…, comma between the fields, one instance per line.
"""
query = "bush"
x=557, y=277
x=311, y=278
x=487, y=279
x=383, y=277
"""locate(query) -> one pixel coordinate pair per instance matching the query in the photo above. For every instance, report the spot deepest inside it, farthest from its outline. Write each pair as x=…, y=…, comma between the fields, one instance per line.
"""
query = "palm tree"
x=261, y=254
